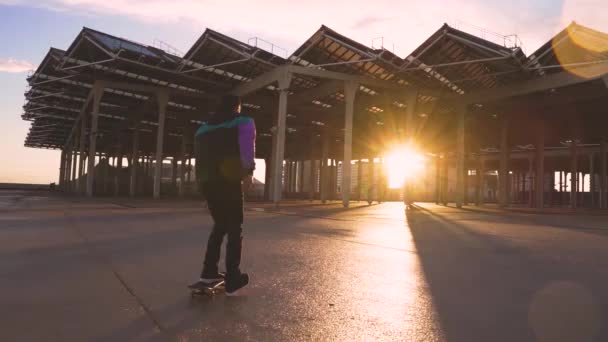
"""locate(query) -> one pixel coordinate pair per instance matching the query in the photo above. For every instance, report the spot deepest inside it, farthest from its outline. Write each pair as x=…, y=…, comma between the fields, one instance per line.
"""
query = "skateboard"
x=211, y=289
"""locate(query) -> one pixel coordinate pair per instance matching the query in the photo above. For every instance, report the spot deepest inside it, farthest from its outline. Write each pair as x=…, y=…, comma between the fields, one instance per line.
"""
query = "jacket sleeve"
x=247, y=146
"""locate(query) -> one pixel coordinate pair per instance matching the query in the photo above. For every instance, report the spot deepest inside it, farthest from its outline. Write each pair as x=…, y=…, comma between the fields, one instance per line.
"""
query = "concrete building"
x=495, y=123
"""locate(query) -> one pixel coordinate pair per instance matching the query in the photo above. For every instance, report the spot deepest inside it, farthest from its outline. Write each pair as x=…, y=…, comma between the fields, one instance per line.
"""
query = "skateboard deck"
x=209, y=290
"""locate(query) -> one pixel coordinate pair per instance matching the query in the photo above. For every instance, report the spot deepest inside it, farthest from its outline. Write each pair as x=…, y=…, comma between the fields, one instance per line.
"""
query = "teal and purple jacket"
x=225, y=149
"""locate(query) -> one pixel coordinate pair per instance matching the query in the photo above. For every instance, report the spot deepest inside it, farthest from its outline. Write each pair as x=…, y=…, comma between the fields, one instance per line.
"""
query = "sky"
x=28, y=28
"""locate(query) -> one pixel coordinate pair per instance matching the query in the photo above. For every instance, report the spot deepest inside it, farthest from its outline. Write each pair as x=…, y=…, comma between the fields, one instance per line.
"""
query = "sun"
x=403, y=163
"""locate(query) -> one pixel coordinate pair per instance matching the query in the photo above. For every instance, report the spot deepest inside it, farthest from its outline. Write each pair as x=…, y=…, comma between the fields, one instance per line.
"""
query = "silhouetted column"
x=324, y=181
x=480, y=183
x=350, y=90
x=603, y=183
x=574, y=173
x=134, y=162
x=540, y=165
x=279, y=147
x=81, y=146
x=460, y=156
x=97, y=94
x=437, y=179
x=592, y=178
x=163, y=99
x=503, y=174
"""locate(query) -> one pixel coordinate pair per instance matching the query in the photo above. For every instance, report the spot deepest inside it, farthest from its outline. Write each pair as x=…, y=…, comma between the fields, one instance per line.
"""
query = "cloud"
x=368, y=21
x=14, y=65
x=280, y=21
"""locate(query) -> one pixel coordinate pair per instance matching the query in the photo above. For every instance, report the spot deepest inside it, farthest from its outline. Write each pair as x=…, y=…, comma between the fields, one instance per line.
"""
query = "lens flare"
x=577, y=50
x=403, y=163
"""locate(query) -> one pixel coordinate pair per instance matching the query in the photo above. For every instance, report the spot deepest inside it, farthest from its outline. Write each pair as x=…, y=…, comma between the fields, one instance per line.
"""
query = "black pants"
x=225, y=201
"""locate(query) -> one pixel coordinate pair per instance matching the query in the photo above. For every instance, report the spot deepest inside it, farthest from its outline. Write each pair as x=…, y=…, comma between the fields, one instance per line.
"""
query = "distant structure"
x=496, y=124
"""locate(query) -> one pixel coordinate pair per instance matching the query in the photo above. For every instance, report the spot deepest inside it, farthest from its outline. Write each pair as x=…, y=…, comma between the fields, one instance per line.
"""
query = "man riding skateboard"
x=225, y=150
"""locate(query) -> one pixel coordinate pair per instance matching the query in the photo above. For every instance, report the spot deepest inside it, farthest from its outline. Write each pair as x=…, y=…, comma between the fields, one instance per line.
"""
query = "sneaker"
x=212, y=278
x=233, y=284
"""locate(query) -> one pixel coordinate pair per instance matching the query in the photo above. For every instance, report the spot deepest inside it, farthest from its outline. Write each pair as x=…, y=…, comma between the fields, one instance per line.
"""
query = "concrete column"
x=503, y=174
x=174, y=173
x=81, y=147
x=106, y=173
x=313, y=178
x=267, y=179
x=324, y=168
x=301, y=187
x=294, y=176
x=603, y=192
x=311, y=187
x=62, y=170
x=118, y=173
x=163, y=99
x=97, y=94
x=74, y=185
x=445, y=180
x=460, y=156
x=350, y=90
x=182, y=165
x=286, y=175
x=480, y=194
x=279, y=147
x=531, y=181
x=359, y=179
x=372, y=180
x=437, y=179
x=592, y=178
x=540, y=165
x=574, y=174
x=68, y=169
x=134, y=162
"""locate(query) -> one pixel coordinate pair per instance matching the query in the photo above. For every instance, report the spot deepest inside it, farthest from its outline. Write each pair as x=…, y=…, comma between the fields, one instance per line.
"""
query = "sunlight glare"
x=402, y=164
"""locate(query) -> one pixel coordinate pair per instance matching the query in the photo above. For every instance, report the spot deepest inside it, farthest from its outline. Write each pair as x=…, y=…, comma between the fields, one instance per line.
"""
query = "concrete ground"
x=117, y=270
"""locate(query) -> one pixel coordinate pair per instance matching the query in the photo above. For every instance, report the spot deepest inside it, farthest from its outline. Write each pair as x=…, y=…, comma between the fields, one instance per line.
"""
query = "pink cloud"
x=14, y=65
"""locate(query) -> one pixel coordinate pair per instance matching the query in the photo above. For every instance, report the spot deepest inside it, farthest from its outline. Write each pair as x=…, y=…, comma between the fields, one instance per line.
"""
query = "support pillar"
x=437, y=179
x=312, y=178
x=134, y=162
x=117, y=173
x=460, y=156
x=530, y=181
x=97, y=94
x=62, y=170
x=573, y=175
x=186, y=133
x=540, y=165
x=350, y=90
x=603, y=190
x=445, y=180
x=359, y=180
x=174, y=174
x=68, y=170
x=163, y=99
x=592, y=178
x=503, y=174
x=279, y=147
x=480, y=194
x=81, y=158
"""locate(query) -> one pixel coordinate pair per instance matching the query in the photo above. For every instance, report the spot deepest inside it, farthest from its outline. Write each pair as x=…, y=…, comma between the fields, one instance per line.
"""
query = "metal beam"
x=259, y=82
x=558, y=80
